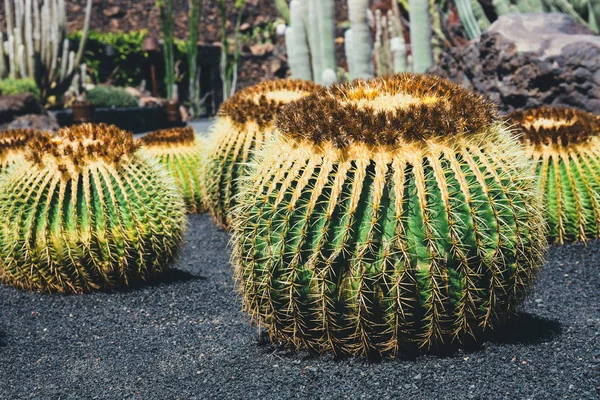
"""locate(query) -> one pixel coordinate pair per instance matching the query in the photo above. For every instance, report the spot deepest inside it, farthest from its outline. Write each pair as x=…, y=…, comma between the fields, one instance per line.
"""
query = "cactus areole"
x=565, y=146
x=244, y=123
x=180, y=152
x=86, y=211
x=389, y=216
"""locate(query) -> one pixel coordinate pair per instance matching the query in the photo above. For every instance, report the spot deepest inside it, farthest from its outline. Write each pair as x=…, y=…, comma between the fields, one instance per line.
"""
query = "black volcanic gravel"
x=187, y=339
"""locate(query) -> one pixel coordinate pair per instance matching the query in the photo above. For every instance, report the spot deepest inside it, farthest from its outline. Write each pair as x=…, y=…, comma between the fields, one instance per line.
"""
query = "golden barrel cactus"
x=86, y=211
x=12, y=146
x=387, y=217
x=244, y=122
x=565, y=146
x=179, y=150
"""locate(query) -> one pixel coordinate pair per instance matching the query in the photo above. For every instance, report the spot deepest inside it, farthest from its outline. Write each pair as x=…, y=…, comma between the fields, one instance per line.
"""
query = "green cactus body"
x=86, y=211
x=180, y=151
x=243, y=124
x=387, y=217
x=12, y=146
x=565, y=146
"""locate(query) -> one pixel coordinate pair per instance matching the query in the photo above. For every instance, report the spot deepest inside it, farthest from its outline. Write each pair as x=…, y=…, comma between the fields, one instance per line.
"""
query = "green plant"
x=179, y=150
x=37, y=47
x=12, y=146
x=196, y=103
x=85, y=212
x=166, y=24
x=10, y=87
x=387, y=216
x=124, y=67
x=244, y=122
x=230, y=60
x=474, y=19
x=110, y=96
x=310, y=40
x=284, y=10
x=563, y=143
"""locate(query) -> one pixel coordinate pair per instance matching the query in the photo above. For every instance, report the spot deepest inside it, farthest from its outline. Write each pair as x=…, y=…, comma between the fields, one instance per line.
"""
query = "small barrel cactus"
x=12, y=146
x=244, y=122
x=86, y=211
x=180, y=151
x=387, y=217
x=565, y=146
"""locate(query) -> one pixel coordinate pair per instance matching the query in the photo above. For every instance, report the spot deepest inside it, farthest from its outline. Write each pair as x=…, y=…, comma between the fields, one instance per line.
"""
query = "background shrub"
x=110, y=96
x=10, y=87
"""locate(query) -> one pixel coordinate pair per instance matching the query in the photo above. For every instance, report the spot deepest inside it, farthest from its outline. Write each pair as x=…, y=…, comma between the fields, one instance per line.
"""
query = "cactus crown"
x=79, y=145
x=556, y=126
x=170, y=137
x=260, y=103
x=387, y=111
x=14, y=140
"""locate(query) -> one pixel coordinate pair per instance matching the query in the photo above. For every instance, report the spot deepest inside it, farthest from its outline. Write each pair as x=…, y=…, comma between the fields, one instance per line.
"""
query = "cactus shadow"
x=522, y=329
x=528, y=329
x=168, y=277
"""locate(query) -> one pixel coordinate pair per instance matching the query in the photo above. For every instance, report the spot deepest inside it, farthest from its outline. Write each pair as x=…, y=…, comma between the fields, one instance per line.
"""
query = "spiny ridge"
x=15, y=138
x=172, y=136
x=387, y=111
x=260, y=103
x=80, y=144
x=556, y=125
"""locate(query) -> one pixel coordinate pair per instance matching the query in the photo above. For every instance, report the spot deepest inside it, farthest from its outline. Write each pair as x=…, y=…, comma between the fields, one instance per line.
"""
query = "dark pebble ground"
x=187, y=339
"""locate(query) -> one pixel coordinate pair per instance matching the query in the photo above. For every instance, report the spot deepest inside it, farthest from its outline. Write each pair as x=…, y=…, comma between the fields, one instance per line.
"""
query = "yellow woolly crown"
x=556, y=126
x=173, y=137
x=79, y=145
x=260, y=103
x=390, y=111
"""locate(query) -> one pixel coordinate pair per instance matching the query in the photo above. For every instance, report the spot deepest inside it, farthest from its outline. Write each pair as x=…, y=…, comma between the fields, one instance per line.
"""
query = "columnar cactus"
x=12, y=146
x=180, y=151
x=387, y=216
x=565, y=146
x=244, y=122
x=85, y=211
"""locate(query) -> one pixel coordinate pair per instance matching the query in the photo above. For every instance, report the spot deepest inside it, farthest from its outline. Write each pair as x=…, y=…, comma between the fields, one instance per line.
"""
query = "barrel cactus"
x=387, y=217
x=86, y=211
x=180, y=151
x=565, y=146
x=12, y=146
x=244, y=122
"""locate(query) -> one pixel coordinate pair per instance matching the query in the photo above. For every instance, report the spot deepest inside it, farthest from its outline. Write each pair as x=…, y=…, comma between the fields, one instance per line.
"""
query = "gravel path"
x=186, y=339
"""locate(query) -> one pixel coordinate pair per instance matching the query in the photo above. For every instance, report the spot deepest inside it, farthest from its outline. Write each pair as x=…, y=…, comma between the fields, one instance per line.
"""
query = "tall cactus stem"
x=326, y=36
x=298, y=50
x=363, y=43
x=420, y=35
x=314, y=38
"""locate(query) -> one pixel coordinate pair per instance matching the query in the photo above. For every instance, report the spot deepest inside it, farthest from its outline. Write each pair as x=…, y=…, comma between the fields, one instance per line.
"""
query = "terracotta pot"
x=173, y=114
x=150, y=44
x=83, y=112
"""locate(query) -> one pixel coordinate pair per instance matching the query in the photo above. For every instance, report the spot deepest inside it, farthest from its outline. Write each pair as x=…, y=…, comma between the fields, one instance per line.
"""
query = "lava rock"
x=43, y=122
x=529, y=60
x=17, y=105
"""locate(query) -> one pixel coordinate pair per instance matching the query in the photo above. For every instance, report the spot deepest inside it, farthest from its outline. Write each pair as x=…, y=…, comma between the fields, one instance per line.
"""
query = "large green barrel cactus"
x=387, y=216
x=565, y=146
x=86, y=211
x=244, y=122
x=180, y=151
x=12, y=146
